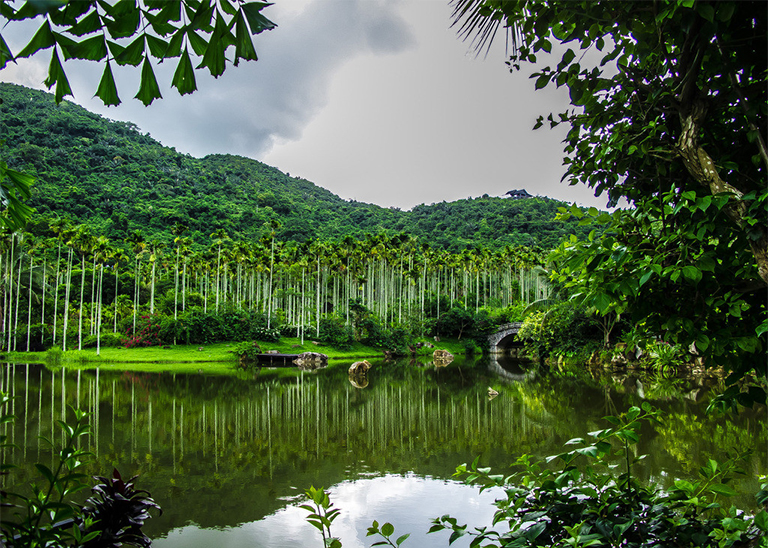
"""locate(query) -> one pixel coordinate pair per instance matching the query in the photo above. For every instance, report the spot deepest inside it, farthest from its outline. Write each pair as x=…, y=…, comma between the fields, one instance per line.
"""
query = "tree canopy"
x=668, y=109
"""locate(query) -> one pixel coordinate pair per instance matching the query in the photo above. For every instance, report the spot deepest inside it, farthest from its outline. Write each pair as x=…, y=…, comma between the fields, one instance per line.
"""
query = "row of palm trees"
x=61, y=279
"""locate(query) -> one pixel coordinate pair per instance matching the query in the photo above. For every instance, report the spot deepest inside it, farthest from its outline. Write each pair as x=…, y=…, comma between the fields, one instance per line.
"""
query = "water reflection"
x=231, y=453
x=398, y=499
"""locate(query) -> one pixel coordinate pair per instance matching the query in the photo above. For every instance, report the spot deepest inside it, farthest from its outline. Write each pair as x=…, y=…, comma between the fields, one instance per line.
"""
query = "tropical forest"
x=202, y=350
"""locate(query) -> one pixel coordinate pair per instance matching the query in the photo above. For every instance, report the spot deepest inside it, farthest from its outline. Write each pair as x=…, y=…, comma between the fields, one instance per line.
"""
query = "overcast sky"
x=375, y=100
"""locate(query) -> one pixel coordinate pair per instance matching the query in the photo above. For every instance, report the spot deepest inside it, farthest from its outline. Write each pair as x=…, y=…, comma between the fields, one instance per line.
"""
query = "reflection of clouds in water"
x=408, y=502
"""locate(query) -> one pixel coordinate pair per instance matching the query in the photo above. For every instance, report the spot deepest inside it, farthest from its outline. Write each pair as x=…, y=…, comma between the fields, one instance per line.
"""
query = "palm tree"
x=177, y=230
x=155, y=253
x=219, y=237
x=84, y=242
x=137, y=244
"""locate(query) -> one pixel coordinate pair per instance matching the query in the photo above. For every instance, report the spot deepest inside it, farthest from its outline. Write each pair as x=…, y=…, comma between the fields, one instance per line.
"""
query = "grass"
x=209, y=359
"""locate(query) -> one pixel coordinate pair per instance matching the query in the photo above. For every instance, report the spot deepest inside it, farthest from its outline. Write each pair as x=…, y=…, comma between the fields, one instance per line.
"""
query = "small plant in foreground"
x=323, y=513
x=112, y=517
x=570, y=505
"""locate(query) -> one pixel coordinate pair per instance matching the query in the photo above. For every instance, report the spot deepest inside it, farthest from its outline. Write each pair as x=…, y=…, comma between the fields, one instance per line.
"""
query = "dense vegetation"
x=115, y=179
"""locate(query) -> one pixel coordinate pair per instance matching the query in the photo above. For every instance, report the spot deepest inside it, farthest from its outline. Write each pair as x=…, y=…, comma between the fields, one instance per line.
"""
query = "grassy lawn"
x=213, y=358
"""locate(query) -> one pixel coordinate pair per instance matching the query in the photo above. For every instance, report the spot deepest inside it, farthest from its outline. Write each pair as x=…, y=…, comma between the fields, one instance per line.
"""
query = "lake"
x=228, y=458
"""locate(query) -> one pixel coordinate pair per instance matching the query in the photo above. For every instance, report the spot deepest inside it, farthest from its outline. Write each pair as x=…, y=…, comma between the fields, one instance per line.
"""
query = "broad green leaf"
x=174, y=46
x=243, y=42
x=127, y=19
x=256, y=20
x=568, y=56
x=706, y=11
x=387, y=529
x=92, y=49
x=198, y=43
x=46, y=472
x=761, y=520
x=157, y=46
x=107, y=90
x=722, y=489
x=213, y=58
x=133, y=53
x=22, y=180
x=5, y=53
x=160, y=24
x=43, y=39
x=56, y=76
x=184, y=77
x=542, y=81
x=88, y=24
x=702, y=342
x=149, y=90
x=602, y=302
x=202, y=17
x=692, y=273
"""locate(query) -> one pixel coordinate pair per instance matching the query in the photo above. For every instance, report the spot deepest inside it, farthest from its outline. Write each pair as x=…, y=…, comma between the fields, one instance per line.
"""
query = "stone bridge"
x=505, y=338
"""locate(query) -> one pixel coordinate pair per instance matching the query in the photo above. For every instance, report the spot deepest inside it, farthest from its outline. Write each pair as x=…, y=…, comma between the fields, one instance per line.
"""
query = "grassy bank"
x=211, y=359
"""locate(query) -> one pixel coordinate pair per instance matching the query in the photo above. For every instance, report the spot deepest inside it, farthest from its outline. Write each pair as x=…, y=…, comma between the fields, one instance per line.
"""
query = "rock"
x=309, y=361
x=359, y=368
x=442, y=357
x=358, y=374
x=271, y=352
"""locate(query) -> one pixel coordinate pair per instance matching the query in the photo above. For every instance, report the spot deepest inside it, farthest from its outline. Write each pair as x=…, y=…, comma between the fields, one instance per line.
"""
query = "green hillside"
x=112, y=177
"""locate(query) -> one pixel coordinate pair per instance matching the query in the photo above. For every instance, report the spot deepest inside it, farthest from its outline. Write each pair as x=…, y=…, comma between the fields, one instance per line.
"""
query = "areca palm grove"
x=291, y=287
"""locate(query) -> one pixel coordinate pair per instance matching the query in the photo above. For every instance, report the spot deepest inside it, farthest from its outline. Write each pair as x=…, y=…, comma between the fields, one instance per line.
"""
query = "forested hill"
x=112, y=177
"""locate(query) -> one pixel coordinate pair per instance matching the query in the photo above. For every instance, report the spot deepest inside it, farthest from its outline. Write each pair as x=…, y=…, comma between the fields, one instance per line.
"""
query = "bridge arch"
x=504, y=338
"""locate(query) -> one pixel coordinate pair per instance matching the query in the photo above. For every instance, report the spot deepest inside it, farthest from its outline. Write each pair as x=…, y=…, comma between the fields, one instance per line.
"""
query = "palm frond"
x=479, y=21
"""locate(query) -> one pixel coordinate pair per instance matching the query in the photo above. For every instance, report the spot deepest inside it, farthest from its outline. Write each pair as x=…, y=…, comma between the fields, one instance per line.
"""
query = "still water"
x=228, y=458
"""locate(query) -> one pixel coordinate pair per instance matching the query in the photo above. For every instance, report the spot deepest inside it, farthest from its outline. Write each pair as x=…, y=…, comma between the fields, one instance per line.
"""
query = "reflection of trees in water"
x=223, y=451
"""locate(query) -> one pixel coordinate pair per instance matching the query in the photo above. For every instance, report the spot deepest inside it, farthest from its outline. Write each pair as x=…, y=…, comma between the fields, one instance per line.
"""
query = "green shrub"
x=565, y=503
x=107, y=339
x=335, y=332
x=470, y=346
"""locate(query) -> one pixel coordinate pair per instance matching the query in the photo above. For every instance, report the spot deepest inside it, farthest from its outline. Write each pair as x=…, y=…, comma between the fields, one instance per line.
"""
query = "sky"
x=377, y=101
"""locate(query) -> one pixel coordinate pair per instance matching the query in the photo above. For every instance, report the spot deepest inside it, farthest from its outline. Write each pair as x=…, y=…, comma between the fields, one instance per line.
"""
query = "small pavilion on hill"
x=518, y=194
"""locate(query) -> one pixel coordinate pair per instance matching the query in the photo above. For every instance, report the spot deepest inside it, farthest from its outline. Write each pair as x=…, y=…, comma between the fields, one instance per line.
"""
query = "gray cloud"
x=255, y=104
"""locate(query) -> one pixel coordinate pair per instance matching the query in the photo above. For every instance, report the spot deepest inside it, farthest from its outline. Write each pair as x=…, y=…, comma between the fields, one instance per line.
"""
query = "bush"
x=336, y=333
x=576, y=505
x=265, y=334
x=560, y=330
x=108, y=339
x=470, y=346
x=147, y=333
x=40, y=337
x=198, y=327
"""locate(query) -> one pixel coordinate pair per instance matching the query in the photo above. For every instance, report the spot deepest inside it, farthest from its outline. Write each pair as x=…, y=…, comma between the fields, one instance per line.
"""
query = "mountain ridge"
x=109, y=175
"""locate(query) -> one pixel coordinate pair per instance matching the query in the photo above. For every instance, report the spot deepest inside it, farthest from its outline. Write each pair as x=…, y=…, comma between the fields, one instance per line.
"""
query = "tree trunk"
x=701, y=167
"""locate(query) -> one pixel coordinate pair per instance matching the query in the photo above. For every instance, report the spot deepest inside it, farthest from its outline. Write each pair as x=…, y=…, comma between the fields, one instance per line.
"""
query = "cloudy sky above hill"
x=375, y=100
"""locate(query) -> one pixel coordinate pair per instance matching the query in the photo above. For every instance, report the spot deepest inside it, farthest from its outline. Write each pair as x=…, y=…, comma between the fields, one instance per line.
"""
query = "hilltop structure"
x=518, y=194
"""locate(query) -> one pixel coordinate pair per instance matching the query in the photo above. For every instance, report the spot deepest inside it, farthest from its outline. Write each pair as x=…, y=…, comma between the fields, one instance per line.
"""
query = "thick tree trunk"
x=701, y=167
